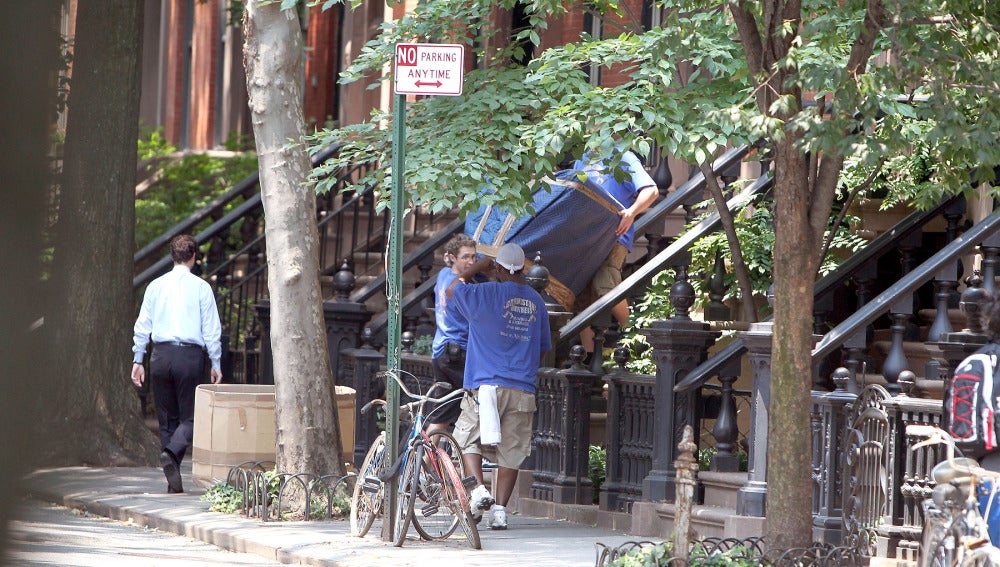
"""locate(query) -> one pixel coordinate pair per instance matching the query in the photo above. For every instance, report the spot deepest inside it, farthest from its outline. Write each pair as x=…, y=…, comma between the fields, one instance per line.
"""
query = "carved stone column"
x=345, y=320
x=359, y=368
x=679, y=345
x=751, y=500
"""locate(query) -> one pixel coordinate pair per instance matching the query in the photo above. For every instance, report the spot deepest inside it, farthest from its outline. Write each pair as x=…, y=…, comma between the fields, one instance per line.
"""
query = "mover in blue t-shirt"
x=508, y=336
x=634, y=194
x=452, y=334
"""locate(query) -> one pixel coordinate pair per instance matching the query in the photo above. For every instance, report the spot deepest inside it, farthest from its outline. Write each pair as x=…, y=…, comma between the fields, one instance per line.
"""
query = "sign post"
x=420, y=69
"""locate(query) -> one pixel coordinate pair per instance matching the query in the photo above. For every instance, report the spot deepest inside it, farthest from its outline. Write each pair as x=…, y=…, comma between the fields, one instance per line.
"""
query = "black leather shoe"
x=173, y=473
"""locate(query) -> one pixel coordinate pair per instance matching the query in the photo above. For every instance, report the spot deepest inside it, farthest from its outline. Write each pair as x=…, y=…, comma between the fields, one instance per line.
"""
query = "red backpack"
x=971, y=403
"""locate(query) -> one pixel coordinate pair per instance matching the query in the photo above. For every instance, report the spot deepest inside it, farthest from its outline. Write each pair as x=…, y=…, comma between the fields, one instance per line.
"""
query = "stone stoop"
x=715, y=518
x=656, y=519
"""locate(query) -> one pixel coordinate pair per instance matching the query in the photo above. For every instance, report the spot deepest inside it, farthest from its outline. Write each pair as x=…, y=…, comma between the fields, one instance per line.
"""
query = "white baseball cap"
x=511, y=257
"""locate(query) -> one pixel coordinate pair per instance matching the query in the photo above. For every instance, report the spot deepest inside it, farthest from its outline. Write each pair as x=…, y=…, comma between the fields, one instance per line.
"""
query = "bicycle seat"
x=958, y=468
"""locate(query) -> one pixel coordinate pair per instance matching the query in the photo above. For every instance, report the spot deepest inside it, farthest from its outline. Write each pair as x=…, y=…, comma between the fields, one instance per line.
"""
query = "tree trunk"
x=94, y=409
x=789, y=504
x=25, y=169
x=308, y=437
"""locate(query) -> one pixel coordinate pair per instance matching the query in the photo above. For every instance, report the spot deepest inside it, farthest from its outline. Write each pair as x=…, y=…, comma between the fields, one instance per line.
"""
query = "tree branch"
x=847, y=203
x=814, y=156
x=729, y=227
x=861, y=51
x=828, y=171
x=753, y=47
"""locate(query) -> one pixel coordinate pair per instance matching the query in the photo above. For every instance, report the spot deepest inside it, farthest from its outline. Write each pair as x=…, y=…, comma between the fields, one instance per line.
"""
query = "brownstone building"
x=193, y=84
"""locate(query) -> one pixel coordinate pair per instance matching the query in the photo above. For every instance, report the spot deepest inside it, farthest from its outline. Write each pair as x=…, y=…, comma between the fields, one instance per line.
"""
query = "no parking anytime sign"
x=429, y=68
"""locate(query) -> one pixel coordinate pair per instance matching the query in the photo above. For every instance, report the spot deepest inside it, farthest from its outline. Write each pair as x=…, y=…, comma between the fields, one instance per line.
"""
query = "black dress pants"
x=176, y=372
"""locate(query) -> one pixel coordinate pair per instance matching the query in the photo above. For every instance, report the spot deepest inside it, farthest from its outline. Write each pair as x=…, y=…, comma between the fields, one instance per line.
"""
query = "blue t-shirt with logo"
x=451, y=326
x=625, y=191
x=508, y=332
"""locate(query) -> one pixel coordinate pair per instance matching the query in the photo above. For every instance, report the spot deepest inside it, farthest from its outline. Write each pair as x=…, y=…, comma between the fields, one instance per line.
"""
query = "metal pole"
x=394, y=282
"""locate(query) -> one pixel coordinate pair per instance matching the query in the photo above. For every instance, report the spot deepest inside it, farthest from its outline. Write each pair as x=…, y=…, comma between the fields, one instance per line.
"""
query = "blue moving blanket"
x=573, y=227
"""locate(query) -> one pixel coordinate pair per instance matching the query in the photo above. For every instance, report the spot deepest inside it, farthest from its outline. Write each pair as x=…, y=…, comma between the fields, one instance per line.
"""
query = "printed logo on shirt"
x=519, y=314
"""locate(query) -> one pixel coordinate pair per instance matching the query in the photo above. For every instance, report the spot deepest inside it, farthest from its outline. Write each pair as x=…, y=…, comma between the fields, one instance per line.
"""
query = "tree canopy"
x=691, y=90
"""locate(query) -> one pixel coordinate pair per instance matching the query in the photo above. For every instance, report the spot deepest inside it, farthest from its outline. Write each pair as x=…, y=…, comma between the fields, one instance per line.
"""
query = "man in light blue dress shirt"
x=179, y=314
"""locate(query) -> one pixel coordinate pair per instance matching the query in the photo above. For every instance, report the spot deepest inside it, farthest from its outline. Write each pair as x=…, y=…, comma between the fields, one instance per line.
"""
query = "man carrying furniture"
x=508, y=336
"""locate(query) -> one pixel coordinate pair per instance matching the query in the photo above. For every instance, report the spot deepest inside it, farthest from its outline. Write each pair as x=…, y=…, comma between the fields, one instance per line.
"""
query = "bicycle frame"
x=426, y=472
x=955, y=531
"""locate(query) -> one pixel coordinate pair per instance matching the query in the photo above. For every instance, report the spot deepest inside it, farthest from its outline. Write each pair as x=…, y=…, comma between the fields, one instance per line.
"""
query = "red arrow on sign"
x=423, y=84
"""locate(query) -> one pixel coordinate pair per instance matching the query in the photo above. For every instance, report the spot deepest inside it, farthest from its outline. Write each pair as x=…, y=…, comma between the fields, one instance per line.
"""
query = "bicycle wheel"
x=457, y=499
x=408, y=479
x=366, y=502
x=432, y=517
x=447, y=443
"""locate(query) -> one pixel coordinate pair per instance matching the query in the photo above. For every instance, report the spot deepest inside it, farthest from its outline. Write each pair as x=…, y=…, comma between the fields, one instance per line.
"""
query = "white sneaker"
x=499, y=520
x=479, y=500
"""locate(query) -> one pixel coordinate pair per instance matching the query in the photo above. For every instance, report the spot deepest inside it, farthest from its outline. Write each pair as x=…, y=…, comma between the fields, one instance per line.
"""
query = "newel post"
x=679, y=345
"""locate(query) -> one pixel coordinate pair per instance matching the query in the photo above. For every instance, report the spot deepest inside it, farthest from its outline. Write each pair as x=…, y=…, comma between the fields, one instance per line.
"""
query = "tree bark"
x=28, y=87
x=789, y=503
x=308, y=437
x=92, y=407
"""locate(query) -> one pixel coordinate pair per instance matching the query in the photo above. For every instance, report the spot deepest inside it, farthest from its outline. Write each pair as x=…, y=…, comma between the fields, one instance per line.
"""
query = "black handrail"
x=150, y=273
x=691, y=187
x=659, y=262
x=261, y=238
x=217, y=204
x=381, y=321
x=411, y=260
x=907, y=285
x=873, y=250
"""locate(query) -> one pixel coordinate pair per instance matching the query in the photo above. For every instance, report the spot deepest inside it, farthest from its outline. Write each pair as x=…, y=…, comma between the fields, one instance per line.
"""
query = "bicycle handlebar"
x=424, y=398
x=959, y=467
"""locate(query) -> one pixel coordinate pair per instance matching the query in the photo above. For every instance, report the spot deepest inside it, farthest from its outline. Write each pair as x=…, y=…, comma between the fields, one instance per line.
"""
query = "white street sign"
x=429, y=68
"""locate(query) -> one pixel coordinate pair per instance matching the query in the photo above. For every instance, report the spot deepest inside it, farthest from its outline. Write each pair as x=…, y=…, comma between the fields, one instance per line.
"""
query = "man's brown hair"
x=457, y=242
x=182, y=248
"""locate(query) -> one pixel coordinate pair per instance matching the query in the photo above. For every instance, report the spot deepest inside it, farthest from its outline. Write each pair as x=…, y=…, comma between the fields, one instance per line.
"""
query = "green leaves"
x=685, y=89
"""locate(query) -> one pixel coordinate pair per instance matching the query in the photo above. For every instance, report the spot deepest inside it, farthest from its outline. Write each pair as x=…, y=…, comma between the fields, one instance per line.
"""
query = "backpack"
x=971, y=403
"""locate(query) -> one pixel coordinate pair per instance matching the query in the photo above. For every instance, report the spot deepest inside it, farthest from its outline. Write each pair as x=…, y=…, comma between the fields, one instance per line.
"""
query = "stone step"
x=657, y=519
x=721, y=488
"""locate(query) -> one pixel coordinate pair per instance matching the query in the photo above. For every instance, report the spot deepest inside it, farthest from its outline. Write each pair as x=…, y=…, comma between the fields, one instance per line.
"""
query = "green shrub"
x=597, y=467
x=224, y=498
x=185, y=186
x=423, y=345
x=737, y=556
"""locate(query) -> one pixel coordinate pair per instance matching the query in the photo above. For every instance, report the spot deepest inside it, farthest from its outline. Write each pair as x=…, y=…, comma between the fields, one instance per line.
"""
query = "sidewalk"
x=139, y=495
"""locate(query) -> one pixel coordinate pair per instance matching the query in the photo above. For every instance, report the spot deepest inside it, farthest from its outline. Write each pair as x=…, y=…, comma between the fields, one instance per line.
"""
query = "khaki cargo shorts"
x=517, y=412
x=609, y=275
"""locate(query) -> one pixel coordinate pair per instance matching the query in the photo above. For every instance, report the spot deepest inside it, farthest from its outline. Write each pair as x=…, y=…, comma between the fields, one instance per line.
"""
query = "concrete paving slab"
x=139, y=495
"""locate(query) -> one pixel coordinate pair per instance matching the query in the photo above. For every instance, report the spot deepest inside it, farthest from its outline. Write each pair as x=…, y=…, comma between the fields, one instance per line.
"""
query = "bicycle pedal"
x=371, y=485
x=469, y=482
x=430, y=510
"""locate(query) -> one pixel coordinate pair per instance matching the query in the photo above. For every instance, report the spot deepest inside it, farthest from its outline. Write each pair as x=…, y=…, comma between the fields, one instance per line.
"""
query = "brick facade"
x=193, y=81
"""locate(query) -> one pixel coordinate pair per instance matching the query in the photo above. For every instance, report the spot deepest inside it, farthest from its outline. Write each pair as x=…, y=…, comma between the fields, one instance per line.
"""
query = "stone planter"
x=234, y=423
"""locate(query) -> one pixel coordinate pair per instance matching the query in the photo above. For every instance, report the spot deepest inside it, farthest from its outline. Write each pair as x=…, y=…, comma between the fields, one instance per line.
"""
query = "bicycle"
x=955, y=532
x=429, y=469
